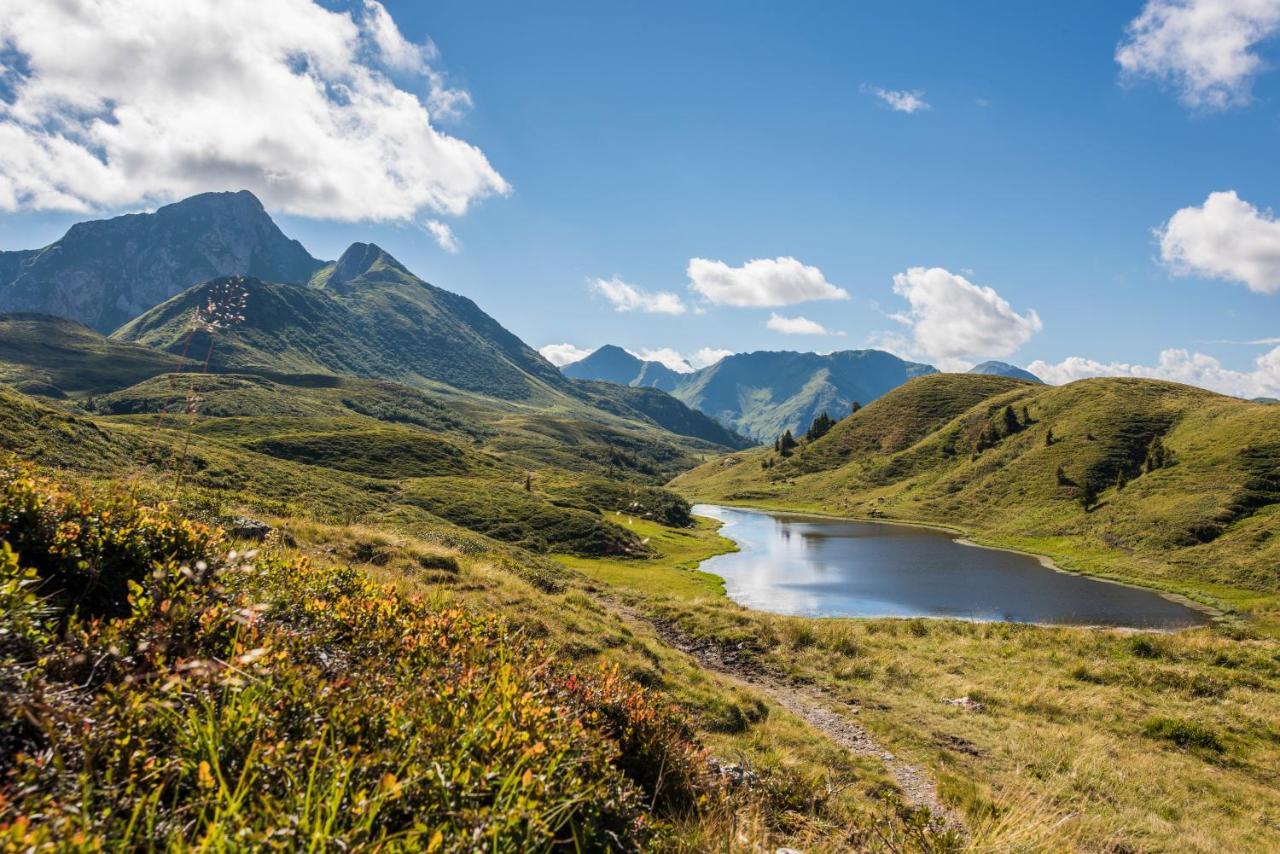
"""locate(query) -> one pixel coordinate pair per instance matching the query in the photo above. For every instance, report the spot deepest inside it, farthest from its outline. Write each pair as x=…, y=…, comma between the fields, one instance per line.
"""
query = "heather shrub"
x=223, y=700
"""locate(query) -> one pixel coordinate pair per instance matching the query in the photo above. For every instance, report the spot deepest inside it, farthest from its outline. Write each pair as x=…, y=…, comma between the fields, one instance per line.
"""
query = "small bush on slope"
x=277, y=704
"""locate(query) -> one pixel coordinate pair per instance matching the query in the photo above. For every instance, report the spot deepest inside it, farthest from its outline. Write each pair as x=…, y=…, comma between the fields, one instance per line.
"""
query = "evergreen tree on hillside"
x=819, y=427
x=1157, y=456
x=786, y=444
x=1011, y=423
x=854, y=407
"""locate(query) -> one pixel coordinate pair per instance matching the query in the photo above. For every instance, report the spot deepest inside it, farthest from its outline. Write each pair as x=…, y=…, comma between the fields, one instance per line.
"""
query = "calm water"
x=815, y=567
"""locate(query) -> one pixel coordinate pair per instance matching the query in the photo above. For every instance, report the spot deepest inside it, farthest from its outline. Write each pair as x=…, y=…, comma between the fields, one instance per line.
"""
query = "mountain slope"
x=762, y=394
x=1004, y=369
x=365, y=316
x=1150, y=481
x=615, y=365
x=660, y=408
x=53, y=357
x=104, y=272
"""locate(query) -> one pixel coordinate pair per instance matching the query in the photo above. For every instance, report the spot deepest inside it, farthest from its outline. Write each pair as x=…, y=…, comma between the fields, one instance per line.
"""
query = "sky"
x=1080, y=188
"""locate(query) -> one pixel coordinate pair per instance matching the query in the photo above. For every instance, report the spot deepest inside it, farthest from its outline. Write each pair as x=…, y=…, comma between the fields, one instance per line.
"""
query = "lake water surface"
x=818, y=567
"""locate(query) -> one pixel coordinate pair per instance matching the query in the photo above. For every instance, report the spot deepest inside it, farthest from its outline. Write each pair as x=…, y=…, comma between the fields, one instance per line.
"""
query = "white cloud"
x=797, y=326
x=900, y=100
x=707, y=356
x=627, y=297
x=666, y=356
x=1175, y=365
x=136, y=102
x=762, y=282
x=1204, y=48
x=443, y=235
x=955, y=322
x=1226, y=238
x=563, y=354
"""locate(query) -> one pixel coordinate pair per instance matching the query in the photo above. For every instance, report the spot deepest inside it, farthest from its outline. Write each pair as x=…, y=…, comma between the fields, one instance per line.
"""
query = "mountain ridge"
x=1004, y=369
x=105, y=272
x=764, y=393
x=613, y=364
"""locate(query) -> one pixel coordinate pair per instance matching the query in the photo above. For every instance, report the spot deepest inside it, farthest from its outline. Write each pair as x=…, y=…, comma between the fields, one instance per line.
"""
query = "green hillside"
x=382, y=323
x=336, y=663
x=1067, y=471
x=55, y=357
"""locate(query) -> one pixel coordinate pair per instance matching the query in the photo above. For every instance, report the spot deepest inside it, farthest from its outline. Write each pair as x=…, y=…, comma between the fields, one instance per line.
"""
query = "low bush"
x=260, y=701
x=1183, y=733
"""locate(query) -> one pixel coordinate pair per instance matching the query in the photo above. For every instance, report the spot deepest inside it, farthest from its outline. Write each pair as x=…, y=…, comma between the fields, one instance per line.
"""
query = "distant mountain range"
x=147, y=279
x=160, y=282
x=1004, y=369
x=615, y=365
x=105, y=272
x=765, y=393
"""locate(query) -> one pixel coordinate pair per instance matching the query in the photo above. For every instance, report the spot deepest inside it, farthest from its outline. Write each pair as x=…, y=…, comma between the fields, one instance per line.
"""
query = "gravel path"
x=816, y=708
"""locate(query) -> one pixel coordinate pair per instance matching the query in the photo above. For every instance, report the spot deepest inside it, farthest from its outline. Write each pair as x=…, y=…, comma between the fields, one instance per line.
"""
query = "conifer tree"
x=1011, y=424
x=819, y=427
x=786, y=444
x=1157, y=456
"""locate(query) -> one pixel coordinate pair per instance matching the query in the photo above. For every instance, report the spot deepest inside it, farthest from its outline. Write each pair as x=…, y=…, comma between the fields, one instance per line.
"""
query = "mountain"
x=765, y=393
x=104, y=272
x=660, y=408
x=1004, y=369
x=56, y=357
x=364, y=315
x=615, y=365
x=1153, y=481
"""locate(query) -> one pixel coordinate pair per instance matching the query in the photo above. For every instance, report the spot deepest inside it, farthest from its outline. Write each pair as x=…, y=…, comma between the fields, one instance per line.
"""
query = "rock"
x=243, y=528
x=734, y=774
x=967, y=703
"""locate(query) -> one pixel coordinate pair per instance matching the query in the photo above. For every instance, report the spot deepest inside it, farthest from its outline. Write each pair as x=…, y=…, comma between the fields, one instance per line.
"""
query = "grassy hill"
x=481, y=640
x=1061, y=470
x=55, y=357
x=382, y=323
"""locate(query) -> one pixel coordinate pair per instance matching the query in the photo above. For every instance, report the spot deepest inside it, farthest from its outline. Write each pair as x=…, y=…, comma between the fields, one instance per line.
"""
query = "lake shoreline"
x=964, y=538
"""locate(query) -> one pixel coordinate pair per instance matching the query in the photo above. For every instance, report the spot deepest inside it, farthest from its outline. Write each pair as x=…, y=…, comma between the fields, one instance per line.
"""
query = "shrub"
x=281, y=704
x=1183, y=733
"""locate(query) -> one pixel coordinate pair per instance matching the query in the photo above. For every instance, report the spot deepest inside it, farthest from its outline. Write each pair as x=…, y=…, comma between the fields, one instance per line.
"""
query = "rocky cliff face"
x=103, y=273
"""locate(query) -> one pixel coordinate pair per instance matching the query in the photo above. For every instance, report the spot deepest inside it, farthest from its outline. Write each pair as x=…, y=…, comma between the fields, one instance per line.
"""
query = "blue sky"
x=625, y=140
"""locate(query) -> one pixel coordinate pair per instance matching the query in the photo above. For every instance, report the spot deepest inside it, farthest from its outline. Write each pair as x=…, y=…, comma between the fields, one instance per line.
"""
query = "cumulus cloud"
x=1205, y=49
x=1175, y=365
x=673, y=359
x=955, y=322
x=443, y=235
x=900, y=100
x=763, y=282
x=707, y=356
x=1225, y=238
x=115, y=103
x=797, y=326
x=563, y=354
x=627, y=297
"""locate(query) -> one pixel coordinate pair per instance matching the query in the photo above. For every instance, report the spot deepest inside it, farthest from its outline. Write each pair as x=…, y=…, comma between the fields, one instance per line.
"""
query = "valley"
x=340, y=530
